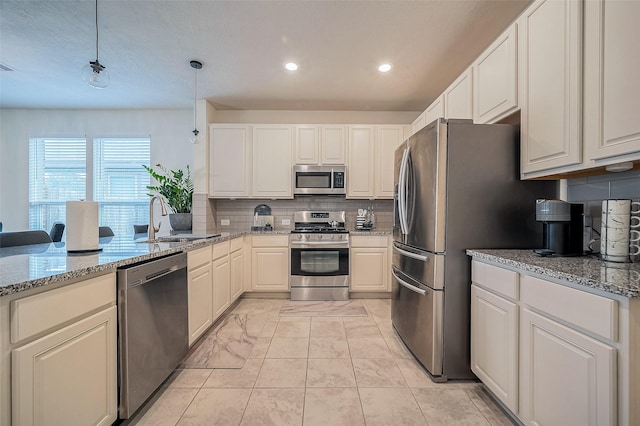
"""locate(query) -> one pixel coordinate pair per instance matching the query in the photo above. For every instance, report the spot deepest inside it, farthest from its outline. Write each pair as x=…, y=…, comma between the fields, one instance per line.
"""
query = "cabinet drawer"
x=236, y=244
x=270, y=241
x=198, y=257
x=35, y=314
x=219, y=250
x=366, y=241
x=589, y=311
x=499, y=280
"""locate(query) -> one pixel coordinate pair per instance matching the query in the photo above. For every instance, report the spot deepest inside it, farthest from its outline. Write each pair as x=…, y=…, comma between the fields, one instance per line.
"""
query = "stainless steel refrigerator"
x=456, y=187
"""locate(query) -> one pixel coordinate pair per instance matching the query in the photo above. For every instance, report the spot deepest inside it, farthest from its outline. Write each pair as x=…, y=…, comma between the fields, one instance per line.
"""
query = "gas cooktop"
x=315, y=222
x=327, y=230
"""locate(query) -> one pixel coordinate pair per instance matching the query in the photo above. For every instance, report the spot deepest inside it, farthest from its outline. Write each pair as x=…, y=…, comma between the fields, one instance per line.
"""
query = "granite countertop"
x=588, y=271
x=37, y=265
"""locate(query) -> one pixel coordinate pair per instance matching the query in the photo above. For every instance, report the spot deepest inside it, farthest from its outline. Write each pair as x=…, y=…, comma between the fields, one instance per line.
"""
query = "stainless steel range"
x=319, y=250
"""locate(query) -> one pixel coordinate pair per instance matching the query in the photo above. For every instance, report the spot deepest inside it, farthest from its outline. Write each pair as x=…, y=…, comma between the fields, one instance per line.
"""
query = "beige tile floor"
x=319, y=370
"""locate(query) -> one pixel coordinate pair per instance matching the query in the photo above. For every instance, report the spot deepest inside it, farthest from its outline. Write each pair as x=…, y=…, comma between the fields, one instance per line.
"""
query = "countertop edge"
x=608, y=287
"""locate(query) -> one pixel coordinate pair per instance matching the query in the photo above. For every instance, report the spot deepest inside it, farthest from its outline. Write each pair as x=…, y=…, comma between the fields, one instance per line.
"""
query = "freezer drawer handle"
x=407, y=285
x=412, y=255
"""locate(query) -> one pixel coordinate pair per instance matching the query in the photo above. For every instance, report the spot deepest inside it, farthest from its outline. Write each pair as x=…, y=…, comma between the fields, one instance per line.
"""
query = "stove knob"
x=333, y=237
x=299, y=236
x=320, y=236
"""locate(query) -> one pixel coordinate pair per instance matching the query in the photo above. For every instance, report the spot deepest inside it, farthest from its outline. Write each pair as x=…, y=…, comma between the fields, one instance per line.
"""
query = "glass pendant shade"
x=95, y=75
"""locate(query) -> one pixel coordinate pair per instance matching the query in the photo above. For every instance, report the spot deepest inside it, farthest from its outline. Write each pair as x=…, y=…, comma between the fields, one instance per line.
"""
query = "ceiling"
x=146, y=46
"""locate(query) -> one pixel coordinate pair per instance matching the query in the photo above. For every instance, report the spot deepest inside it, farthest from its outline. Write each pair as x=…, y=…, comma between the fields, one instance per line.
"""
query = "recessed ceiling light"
x=291, y=66
x=384, y=68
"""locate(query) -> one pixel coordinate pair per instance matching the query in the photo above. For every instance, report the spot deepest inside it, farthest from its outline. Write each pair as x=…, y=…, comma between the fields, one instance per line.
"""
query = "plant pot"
x=180, y=221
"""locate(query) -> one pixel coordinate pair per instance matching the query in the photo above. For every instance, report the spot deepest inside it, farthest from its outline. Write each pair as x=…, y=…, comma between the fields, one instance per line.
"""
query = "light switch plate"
x=286, y=221
x=225, y=222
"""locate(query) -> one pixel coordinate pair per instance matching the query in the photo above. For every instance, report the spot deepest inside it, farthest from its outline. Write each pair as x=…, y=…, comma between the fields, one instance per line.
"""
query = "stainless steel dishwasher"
x=152, y=327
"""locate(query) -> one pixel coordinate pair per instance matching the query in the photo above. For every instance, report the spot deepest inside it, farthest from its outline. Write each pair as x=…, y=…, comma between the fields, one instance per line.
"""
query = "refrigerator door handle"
x=411, y=255
x=407, y=285
x=402, y=192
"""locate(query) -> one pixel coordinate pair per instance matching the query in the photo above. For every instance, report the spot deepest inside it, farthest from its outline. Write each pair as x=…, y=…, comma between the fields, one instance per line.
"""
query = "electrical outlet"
x=225, y=222
x=286, y=221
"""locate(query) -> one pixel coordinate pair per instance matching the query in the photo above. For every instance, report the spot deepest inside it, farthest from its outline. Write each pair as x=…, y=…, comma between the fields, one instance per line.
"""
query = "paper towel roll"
x=82, y=226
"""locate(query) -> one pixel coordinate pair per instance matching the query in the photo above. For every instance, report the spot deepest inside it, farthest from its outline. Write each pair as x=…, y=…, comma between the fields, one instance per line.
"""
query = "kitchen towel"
x=82, y=226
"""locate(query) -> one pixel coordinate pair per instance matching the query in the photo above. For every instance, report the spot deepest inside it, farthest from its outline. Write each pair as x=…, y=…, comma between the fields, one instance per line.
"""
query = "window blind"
x=120, y=182
x=57, y=173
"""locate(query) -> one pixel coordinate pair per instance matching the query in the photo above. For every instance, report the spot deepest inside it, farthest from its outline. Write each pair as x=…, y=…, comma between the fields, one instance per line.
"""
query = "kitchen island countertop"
x=589, y=271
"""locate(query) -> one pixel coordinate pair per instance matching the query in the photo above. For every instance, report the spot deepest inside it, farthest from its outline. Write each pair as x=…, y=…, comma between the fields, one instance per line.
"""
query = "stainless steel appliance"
x=562, y=228
x=152, y=327
x=456, y=187
x=319, y=180
x=319, y=250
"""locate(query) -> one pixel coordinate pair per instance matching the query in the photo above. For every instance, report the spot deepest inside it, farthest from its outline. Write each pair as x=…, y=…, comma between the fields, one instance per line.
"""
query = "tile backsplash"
x=592, y=190
x=240, y=212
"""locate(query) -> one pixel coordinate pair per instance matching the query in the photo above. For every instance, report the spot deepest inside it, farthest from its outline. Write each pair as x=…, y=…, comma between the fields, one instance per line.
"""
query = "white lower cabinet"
x=370, y=267
x=270, y=263
x=64, y=361
x=494, y=344
x=566, y=377
x=221, y=273
x=200, y=292
x=554, y=355
x=236, y=261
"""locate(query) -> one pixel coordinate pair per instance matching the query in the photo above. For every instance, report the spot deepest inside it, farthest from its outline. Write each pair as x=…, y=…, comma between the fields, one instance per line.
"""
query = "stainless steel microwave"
x=319, y=180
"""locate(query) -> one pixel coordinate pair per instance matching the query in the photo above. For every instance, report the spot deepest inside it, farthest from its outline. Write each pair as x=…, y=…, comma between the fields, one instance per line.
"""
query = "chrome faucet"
x=152, y=227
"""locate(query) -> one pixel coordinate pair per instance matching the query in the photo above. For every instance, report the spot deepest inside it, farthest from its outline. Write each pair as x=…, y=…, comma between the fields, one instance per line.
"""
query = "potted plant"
x=176, y=187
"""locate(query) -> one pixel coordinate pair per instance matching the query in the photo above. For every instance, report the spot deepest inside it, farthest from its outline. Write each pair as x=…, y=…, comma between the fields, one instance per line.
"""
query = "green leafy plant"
x=175, y=186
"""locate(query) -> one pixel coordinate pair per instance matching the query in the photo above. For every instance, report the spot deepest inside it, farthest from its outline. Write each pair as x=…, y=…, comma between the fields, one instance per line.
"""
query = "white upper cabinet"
x=320, y=144
x=611, y=83
x=550, y=75
x=458, y=98
x=361, y=165
x=419, y=122
x=435, y=110
x=230, y=160
x=307, y=146
x=272, y=161
x=495, y=82
x=387, y=140
x=333, y=144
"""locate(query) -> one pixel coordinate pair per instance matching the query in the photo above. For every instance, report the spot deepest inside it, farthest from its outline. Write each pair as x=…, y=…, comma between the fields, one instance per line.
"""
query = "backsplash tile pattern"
x=592, y=190
x=240, y=212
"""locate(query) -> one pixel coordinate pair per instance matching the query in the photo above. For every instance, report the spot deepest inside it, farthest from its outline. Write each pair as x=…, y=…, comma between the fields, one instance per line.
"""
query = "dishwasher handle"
x=130, y=276
x=155, y=275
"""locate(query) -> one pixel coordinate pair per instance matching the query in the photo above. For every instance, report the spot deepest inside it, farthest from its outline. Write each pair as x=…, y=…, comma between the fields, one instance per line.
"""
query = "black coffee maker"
x=562, y=228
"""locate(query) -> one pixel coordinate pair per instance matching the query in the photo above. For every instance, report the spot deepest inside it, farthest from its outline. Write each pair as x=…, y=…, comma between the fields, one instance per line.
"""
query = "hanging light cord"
x=97, y=31
x=195, y=102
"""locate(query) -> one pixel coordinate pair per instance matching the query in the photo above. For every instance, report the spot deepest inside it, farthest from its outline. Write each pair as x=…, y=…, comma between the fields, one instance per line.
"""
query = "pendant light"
x=196, y=65
x=94, y=73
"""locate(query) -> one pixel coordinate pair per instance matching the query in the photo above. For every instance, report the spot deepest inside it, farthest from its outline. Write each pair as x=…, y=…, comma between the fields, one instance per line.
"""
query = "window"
x=120, y=182
x=57, y=173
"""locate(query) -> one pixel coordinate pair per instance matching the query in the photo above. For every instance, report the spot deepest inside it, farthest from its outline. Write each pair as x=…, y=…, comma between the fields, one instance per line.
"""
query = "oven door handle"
x=407, y=285
x=411, y=255
x=320, y=243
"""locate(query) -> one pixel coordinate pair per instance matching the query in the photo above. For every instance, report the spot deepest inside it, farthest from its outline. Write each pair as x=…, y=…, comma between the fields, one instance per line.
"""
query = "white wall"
x=169, y=131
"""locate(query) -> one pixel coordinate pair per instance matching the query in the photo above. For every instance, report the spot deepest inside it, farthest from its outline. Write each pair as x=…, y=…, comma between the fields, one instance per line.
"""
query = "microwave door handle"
x=407, y=285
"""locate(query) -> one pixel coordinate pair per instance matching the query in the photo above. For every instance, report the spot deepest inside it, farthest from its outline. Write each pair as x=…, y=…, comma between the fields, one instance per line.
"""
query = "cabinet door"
x=612, y=87
x=230, y=160
x=237, y=273
x=435, y=110
x=458, y=98
x=369, y=269
x=566, y=378
x=307, y=145
x=419, y=122
x=68, y=377
x=549, y=54
x=387, y=140
x=361, y=157
x=200, y=300
x=221, y=273
x=270, y=269
x=272, y=154
x=495, y=82
x=494, y=344
x=333, y=144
